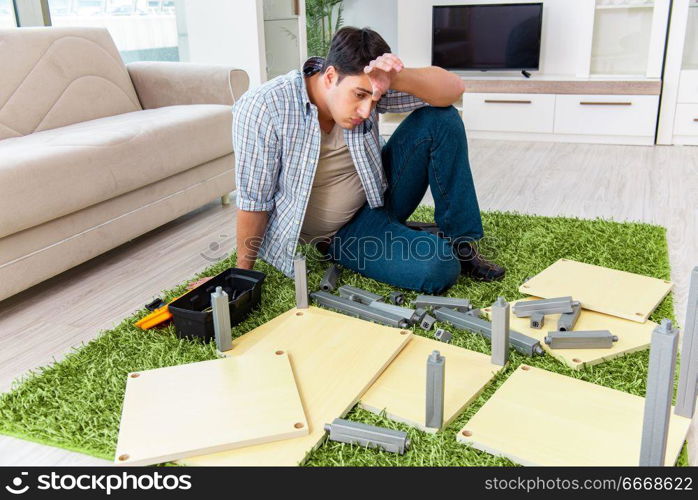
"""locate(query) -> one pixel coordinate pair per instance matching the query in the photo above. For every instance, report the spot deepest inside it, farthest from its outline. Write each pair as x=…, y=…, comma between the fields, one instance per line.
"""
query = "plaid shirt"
x=276, y=139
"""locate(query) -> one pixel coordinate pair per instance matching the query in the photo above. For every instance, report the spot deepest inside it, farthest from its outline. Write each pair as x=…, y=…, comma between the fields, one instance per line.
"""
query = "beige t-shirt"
x=337, y=192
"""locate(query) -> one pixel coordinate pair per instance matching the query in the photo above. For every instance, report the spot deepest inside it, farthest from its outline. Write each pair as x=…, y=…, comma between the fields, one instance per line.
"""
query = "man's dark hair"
x=352, y=49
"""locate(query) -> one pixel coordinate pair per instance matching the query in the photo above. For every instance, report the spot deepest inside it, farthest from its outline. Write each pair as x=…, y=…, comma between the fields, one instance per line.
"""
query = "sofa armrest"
x=162, y=83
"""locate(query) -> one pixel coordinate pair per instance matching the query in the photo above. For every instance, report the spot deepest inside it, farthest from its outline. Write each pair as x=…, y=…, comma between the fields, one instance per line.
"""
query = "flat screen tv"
x=487, y=37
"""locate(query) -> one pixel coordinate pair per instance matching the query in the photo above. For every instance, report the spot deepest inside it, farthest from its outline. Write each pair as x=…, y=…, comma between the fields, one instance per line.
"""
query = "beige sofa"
x=94, y=153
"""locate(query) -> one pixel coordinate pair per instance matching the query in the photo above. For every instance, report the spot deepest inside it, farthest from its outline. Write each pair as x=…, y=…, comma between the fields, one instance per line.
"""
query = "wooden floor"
x=639, y=183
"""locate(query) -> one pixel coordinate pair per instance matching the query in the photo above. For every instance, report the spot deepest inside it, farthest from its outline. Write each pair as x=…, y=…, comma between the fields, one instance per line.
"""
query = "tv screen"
x=487, y=37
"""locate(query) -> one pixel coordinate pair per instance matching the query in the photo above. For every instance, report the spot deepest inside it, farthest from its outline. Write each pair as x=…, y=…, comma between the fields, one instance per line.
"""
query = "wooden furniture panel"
x=609, y=291
x=401, y=389
x=186, y=410
x=335, y=359
x=542, y=418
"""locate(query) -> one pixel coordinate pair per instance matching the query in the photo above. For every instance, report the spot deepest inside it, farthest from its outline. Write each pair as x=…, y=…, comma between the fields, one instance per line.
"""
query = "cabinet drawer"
x=686, y=120
x=688, y=86
x=509, y=112
x=634, y=115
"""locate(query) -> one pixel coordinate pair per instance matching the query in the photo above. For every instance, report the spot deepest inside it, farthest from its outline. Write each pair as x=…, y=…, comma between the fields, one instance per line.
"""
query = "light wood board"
x=632, y=336
x=401, y=389
x=207, y=407
x=335, y=359
x=542, y=418
x=609, y=291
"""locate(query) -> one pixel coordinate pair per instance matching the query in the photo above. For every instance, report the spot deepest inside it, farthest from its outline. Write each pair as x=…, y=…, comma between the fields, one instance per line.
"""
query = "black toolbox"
x=192, y=314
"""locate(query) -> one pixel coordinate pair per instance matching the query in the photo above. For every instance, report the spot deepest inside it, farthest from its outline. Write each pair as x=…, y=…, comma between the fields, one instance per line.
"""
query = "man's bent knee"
x=440, y=275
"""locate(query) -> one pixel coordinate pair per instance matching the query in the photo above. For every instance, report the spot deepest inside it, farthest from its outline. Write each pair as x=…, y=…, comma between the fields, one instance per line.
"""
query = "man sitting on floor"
x=310, y=167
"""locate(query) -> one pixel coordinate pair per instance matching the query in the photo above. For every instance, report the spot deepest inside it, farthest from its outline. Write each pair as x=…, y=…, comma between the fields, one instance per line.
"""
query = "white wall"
x=379, y=15
x=565, y=38
x=227, y=32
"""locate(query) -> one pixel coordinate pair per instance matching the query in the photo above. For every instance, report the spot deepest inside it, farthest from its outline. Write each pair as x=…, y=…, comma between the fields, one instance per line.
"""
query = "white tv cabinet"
x=594, y=110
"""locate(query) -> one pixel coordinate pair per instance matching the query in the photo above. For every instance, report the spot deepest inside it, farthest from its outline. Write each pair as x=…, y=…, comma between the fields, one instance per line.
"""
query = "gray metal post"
x=660, y=386
x=688, y=374
x=358, y=294
x=500, y=332
x=436, y=372
x=592, y=339
x=567, y=321
x=221, y=320
x=524, y=309
x=523, y=343
x=329, y=279
x=359, y=310
x=301, y=279
x=370, y=436
x=431, y=301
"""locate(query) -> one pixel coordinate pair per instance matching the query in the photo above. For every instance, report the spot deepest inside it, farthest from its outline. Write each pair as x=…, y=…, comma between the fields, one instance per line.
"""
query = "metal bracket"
x=436, y=371
x=358, y=310
x=596, y=339
x=220, y=308
x=370, y=436
x=432, y=301
x=523, y=343
x=524, y=309
x=301, y=279
x=660, y=388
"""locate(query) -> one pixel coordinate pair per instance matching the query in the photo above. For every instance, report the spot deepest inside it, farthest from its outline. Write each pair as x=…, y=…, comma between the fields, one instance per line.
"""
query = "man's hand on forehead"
x=381, y=72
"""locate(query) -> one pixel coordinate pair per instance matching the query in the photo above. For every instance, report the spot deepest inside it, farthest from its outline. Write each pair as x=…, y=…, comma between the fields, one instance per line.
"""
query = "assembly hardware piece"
x=436, y=371
x=301, y=280
x=500, y=332
x=596, y=339
x=404, y=312
x=537, y=320
x=660, y=388
x=221, y=320
x=420, y=312
x=351, y=308
x=329, y=280
x=432, y=301
x=369, y=436
x=567, y=321
x=427, y=322
x=523, y=343
x=443, y=335
x=524, y=309
x=688, y=374
x=397, y=298
x=358, y=295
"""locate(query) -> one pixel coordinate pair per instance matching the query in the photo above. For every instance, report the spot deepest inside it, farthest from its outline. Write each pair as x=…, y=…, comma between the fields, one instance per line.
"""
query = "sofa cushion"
x=49, y=174
x=53, y=77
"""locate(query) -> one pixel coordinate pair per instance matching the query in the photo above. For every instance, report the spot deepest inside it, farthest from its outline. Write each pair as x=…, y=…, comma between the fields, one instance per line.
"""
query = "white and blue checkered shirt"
x=276, y=139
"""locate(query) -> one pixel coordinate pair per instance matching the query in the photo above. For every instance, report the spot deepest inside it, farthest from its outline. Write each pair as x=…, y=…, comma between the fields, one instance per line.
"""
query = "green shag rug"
x=76, y=403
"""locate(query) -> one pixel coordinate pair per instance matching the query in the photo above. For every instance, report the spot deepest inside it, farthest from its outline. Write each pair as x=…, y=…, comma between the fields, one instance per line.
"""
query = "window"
x=143, y=30
x=7, y=15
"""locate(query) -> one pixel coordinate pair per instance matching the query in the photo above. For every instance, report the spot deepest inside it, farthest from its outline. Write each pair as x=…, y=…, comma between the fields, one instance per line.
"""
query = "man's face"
x=350, y=102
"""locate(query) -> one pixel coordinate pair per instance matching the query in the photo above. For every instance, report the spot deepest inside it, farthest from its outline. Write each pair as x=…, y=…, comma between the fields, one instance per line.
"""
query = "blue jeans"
x=429, y=148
